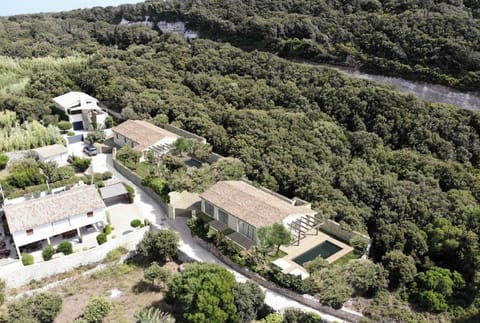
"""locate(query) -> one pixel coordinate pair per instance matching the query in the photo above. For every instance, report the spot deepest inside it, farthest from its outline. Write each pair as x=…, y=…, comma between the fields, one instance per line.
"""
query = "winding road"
x=189, y=246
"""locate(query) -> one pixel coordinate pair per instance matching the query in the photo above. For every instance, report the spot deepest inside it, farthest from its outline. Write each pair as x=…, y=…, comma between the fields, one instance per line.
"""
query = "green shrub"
x=359, y=244
x=131, y=192
x=115, y=254
x=3, y=161
x=108, y=122
x=135, y=223
x=107, y=175
x=27, y=259
x=64, y=126
x=96, y=136
x=42, y=308
x=102, y=238
x=70, y=133
x=65, y=247
x=108, y=229
x=48, y=252
x=97, y=308
x=80, y=163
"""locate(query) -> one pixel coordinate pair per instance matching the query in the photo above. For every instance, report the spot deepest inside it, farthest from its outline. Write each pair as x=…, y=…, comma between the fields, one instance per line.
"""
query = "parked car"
x=90, y=150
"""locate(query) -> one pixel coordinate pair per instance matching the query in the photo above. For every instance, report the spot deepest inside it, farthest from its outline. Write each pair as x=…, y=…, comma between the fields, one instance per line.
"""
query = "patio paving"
x=311, y=240
x=121, y=215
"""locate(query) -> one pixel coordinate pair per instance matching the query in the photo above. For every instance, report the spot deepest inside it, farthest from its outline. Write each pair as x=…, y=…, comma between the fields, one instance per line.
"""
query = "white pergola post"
x=79, y=235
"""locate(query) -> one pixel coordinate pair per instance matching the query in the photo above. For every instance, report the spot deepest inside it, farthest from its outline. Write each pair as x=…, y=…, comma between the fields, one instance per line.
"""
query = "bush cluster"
x=65, y=247
x=135, y=223
x=102, y=238
x=48, y=252
x=27, y=259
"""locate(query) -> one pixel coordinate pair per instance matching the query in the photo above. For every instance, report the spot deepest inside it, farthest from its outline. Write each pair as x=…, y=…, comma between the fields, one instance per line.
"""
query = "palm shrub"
x=65, y=247
x=48, y=252
x=153, y=315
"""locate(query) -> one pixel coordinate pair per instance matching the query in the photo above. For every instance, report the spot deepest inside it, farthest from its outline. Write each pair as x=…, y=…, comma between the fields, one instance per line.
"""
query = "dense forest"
x=402, y=170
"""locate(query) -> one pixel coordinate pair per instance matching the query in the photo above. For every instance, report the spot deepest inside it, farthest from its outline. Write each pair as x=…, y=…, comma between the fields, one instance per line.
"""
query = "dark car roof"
x=90, y=147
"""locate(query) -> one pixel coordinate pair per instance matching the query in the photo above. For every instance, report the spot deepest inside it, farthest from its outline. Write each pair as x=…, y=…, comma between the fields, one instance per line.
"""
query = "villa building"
x=143, y=136
x=244, y=208
x=61, y=213
x=81, y=109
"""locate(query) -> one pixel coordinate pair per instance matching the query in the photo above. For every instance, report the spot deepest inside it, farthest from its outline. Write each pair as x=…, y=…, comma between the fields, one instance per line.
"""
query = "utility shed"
x=57, y=153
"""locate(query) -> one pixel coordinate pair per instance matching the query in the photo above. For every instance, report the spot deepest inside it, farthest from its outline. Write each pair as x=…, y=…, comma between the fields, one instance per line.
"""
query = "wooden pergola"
x=301, y=226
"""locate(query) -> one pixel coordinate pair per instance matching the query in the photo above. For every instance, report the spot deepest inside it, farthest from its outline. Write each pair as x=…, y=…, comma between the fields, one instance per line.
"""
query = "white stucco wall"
x=15, y=274
x=75, y=118
x=51, y=229
x=61, y=159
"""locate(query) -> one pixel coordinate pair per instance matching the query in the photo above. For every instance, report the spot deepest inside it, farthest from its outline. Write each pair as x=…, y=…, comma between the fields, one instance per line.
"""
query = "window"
x=222, y=217
x=125, y=139
x=90, y=214
x=116, y=135
x=29, y=232
x=209, y=209
x=247, y=230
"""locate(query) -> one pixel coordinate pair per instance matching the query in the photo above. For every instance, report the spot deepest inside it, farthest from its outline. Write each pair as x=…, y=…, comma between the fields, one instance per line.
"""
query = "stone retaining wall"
x=350, y=317
x=16, y=274
x=137, y=180
x=333, y=228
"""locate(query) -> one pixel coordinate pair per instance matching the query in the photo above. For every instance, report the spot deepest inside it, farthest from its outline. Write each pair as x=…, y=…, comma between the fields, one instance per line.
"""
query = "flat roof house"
x=82, y=110
x=244, y=208
x=65, y=212
x=143, y=136
x=57, y=153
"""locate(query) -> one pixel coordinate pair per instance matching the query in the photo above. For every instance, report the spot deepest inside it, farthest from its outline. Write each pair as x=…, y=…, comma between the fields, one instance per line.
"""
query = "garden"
x=174, y=172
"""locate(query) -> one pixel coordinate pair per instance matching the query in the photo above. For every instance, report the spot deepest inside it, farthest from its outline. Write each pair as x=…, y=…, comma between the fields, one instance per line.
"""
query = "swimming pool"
x=324, y=250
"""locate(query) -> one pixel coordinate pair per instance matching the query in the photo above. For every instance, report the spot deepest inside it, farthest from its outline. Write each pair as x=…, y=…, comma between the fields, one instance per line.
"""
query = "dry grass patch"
x=124, y=278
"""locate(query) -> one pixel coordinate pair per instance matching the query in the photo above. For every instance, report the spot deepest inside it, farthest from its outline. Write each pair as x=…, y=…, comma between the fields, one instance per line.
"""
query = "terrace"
x=313, y=244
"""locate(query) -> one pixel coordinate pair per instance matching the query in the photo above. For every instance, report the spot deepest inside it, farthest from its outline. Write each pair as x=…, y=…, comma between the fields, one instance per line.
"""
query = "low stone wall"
x=16, y=274
x=350, y=317
x=333, y=228
x=137, y=180
x=213, y=157
x=185, y=133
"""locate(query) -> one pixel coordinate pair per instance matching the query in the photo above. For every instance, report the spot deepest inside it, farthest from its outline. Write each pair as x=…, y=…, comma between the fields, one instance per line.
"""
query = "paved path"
x=190, y=247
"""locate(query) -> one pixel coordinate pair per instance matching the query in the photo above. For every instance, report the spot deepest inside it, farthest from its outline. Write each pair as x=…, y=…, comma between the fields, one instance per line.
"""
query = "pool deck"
x=310, y=241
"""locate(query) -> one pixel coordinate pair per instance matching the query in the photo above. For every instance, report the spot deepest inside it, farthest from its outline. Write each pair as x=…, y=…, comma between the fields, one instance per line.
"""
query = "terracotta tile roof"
x=50, y=151
x=54, y=207
x=258, y=207
x=142, y=132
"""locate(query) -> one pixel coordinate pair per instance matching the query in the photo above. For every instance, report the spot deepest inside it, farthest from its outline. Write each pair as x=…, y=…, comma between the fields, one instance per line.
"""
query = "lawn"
x=142, y=169
x=349, y=256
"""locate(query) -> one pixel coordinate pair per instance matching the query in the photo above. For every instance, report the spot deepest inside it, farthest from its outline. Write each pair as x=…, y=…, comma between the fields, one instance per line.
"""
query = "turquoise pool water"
x=324, y=250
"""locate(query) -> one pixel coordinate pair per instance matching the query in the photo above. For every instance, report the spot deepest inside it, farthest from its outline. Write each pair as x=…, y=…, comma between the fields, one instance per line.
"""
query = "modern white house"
x=143, y=136
x=244, y=208
x=62, y=213
x=81, y=109
x=57, y=153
